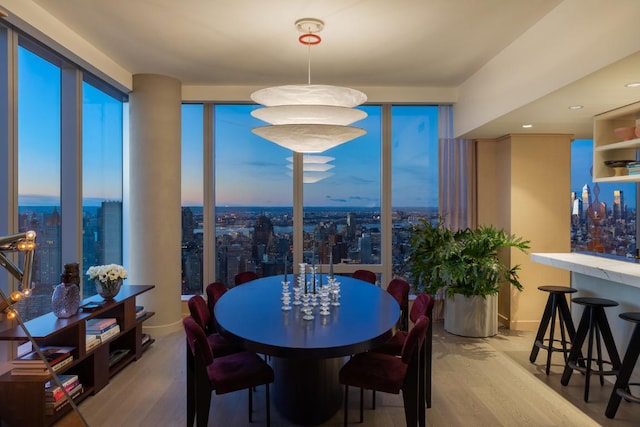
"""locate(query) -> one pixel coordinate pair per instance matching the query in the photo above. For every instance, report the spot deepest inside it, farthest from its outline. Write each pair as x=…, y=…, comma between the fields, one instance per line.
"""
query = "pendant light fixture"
x=314, y=168
x=309, y=118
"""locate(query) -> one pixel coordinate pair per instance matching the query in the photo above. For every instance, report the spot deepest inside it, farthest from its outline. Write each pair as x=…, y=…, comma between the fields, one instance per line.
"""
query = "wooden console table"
x=22, y=398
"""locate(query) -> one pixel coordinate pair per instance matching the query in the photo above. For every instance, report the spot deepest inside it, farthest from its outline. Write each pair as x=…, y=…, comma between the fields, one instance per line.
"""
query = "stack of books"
x=103, y=328
x=55, y=398
x=31, y=363
x=633, y=168
x=91, y=342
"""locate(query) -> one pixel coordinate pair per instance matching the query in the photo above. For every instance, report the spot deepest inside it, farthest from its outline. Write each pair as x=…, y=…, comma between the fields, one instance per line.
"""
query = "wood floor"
x=477, y=382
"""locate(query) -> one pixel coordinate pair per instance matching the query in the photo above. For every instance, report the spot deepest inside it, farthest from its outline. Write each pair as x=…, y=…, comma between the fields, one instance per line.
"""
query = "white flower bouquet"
x=107, y=273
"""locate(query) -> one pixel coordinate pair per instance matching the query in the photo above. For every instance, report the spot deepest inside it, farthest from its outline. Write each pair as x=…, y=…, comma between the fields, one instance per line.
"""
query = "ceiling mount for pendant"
x=309, y=118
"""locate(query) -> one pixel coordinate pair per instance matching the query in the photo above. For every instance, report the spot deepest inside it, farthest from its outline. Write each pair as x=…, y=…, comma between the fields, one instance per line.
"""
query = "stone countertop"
x=600, y=266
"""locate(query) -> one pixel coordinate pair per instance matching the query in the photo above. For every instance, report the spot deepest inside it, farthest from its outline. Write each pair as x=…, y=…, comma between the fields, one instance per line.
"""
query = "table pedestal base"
x=307, y=391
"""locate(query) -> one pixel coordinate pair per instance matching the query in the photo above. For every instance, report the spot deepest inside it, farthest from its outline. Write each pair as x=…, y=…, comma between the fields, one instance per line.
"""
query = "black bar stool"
x=621, y=388
x=556, y=304
x=593, y=320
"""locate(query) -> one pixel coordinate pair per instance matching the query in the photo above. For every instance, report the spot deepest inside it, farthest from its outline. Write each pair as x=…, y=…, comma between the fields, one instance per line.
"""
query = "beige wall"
x=524, y=187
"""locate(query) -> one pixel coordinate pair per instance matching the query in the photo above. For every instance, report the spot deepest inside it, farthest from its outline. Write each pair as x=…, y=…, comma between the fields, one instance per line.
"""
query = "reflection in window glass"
x=342, y=203
x=414, y=185
x=613, y=234
x=39, y=174
x=101, y=181
x=253, y=205
x=192, y=198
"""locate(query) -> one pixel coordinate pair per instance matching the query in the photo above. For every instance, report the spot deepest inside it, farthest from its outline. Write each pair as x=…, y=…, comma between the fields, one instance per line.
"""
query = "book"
x=140, y=311
x=109, y=333
x=116, y=355
x=41, y=370
x=99, y=325
x=91, y=305
x=145, y=338
x=53, y=355
x=52, y=407
x=91, y=342
x=54, y=392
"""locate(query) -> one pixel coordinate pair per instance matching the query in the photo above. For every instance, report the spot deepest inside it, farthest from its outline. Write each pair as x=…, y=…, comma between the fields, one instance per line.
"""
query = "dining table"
x=307, y=354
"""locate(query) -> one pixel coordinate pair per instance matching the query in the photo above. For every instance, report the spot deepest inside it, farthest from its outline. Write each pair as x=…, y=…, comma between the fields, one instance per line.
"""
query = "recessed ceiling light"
x=575, y=107
x=634, y=84
x=527, y=126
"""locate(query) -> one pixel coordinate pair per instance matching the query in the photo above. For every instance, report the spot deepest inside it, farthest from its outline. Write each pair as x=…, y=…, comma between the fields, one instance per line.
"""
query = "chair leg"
x=361, y=405
x=191, y=388
x=268, y=397
x=346, y=404
x=203, y=402
x=250, y=404
x=373, y=399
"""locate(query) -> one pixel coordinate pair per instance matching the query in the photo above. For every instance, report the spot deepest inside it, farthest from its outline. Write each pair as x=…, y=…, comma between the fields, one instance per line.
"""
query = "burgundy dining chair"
x=244, y=277
x=199, y=310
x=214, y=291
x=422, y=305
x=389, y=374
x=225, y=374
x=399, y=289
x=366, y=275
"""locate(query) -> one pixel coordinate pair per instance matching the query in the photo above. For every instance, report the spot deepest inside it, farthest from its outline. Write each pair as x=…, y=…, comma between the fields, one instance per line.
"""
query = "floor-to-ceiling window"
x=192, y=199
x=414, y=185
x=342, y=203
x=101, y=180
x=614, y=233
x=39, y=209
x=253, y=197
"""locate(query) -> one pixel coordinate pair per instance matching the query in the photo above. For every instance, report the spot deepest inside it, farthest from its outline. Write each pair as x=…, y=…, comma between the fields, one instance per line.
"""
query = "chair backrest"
x=244, y=277
x=199, y=311
x=423, y=305
x=214, y=291
x=415, y=339
x=197, y=340
x=366, y=275
x=399, y=289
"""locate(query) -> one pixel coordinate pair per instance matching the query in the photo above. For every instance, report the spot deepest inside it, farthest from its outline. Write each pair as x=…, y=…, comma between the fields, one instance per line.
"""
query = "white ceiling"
x=365, y=43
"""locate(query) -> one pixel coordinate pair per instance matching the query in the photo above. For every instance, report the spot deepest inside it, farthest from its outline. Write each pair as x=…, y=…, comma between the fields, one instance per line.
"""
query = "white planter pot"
x=471, y=316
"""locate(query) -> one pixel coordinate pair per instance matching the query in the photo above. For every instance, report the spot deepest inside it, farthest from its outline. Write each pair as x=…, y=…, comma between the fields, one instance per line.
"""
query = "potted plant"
x=466, y=266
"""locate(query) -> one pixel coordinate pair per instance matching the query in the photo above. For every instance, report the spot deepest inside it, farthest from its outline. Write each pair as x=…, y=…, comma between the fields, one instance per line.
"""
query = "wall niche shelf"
x=22, y=398
x=607, y=146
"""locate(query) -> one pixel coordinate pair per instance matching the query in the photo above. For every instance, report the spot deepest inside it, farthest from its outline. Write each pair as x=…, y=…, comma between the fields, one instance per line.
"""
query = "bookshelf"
x=607, y=146
x=22, y=398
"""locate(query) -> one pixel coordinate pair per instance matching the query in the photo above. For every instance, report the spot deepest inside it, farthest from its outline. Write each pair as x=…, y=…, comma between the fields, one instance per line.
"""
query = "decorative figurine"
x=65, y=300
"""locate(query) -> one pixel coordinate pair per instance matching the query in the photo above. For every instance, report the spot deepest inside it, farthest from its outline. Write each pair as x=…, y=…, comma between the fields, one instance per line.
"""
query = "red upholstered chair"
x=390, y=374
x=399, y=289
x=225, y=374
x=366, y=275
x=244, y=277
x=422, y=306
x=214, y=291
x=199, y=310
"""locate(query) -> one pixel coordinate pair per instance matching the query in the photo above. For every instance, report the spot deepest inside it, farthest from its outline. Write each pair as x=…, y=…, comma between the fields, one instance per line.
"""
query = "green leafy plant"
x=463, y=262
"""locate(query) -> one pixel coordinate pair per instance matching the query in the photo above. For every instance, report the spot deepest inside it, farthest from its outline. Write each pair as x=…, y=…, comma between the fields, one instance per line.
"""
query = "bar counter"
x=602, y=276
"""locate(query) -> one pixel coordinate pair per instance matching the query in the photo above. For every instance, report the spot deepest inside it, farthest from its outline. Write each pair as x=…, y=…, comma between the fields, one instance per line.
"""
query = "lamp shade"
x=309, y=114
x=308, y=138
x=337, y=96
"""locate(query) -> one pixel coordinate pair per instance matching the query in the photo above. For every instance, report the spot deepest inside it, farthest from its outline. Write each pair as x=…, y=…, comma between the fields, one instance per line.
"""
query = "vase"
x=109, y=289
x=471, y=316
x=65, y=300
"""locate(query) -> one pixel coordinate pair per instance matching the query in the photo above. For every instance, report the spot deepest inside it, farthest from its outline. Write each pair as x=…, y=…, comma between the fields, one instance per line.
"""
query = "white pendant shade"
x=308, y=138
x=313, y=177
x=309, y=118
x=309, y=114
x=337, y=96
x=313, y=158
x=314, y=167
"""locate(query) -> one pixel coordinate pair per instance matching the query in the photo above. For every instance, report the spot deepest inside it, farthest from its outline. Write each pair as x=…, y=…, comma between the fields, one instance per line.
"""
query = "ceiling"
x=365, y=43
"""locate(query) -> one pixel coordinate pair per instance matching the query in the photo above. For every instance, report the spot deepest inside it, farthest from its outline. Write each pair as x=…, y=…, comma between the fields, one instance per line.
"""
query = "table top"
x=251, y=313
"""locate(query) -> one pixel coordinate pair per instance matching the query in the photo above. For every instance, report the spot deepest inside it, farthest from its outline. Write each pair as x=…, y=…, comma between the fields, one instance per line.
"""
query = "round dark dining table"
x=307, y=354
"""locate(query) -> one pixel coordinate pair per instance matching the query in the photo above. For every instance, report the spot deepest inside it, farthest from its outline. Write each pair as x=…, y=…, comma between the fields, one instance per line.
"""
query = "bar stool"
x=556, y=304
x=593, y=320
x=621, y=388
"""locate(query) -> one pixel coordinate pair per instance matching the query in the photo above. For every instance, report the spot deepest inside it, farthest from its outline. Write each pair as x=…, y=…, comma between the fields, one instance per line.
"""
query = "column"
x=154, y=197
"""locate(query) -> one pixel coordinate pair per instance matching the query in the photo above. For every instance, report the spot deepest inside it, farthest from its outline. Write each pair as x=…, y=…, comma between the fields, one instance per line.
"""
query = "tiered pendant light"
x=309, y=118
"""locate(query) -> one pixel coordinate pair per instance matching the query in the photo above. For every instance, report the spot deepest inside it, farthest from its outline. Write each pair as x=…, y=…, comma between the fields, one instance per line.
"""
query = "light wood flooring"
x=477, y=382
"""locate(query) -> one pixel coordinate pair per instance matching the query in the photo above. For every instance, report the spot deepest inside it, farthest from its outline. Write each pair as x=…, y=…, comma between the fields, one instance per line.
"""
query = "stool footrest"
x=627, y=395
x=583, y=369
x=550, y=347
